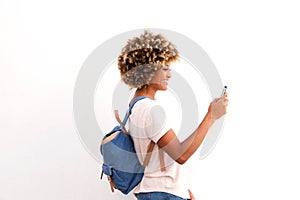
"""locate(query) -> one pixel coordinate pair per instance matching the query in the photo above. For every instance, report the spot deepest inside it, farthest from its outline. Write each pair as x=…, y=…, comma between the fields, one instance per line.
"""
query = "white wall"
x=254, y=45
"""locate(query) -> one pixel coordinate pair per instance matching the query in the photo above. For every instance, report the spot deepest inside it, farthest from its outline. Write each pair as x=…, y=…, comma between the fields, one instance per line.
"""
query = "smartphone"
x=224, y=90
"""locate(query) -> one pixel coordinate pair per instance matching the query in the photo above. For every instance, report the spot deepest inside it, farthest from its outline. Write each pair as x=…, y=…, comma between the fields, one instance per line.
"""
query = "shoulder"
x=153, y=107
x=150, y=111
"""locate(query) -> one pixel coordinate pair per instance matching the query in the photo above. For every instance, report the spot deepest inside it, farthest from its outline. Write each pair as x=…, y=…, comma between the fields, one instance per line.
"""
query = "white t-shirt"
x=148, y=121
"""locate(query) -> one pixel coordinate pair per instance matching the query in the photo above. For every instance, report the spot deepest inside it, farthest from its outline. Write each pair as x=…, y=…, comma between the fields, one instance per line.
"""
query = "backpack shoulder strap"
x=123, y=123
x=130, y=108
x=149, y=152
x=161, y=156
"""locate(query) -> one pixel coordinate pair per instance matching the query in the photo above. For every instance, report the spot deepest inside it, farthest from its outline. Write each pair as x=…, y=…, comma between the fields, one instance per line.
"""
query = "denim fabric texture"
x=158, y=196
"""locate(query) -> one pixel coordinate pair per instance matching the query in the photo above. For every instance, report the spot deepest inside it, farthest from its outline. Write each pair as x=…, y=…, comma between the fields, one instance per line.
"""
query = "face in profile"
x=161, y=78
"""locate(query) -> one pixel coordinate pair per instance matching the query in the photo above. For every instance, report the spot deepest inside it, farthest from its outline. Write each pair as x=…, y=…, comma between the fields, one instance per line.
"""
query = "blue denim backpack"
x=120, y=162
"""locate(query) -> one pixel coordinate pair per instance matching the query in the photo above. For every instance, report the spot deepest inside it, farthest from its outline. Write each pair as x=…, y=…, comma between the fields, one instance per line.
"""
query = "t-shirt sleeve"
x=157, y=123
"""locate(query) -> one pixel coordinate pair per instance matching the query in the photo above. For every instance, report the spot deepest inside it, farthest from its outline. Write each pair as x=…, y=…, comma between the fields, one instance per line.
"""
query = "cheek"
x=158, y=77
x=154, y=80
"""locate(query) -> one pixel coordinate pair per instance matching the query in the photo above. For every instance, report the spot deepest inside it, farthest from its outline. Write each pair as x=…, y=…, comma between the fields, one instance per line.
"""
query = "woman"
x=144, y=64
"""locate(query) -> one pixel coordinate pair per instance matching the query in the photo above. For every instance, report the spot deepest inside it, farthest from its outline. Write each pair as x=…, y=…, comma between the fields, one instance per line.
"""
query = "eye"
x=166, y=69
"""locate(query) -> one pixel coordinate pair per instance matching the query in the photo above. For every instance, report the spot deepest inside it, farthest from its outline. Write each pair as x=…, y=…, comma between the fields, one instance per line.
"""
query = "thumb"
x=191, y=195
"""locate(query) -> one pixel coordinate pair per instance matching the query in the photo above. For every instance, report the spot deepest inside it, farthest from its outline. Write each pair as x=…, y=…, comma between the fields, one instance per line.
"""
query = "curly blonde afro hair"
x=143, y=56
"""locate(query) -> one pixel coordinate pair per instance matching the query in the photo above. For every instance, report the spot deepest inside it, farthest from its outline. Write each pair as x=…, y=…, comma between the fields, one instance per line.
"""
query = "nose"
x=169, y=75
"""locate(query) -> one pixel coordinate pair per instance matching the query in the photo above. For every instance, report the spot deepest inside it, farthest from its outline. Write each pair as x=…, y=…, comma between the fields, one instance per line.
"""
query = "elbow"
x=181, y=160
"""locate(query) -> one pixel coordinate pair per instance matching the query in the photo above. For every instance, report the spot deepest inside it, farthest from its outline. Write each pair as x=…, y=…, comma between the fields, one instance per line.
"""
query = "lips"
x=165, y=82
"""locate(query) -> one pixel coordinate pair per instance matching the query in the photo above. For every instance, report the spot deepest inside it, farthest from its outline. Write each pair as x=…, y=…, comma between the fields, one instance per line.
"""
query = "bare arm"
x=182, y=151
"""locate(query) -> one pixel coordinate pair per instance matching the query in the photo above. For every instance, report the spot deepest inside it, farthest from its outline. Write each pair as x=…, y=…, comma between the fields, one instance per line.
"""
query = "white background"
x=254, y=44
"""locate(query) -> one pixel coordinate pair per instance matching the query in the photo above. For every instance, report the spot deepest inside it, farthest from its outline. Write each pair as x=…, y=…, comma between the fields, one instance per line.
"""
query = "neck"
x=147, y=91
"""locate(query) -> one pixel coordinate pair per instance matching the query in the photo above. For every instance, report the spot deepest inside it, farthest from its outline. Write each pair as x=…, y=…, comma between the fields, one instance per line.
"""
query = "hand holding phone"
x=218, y=109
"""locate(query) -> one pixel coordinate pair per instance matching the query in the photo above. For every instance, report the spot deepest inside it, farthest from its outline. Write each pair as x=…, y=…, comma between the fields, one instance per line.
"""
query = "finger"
x=226, y=102
x=191, y=195
x=225, y=95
